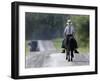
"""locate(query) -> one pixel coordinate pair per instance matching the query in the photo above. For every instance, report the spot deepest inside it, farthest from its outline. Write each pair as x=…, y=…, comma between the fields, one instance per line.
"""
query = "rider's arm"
x=65, y=31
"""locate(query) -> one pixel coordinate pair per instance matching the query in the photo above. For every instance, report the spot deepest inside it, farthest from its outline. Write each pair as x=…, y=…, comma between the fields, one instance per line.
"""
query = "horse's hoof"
x=71, y=59
x=68, y=60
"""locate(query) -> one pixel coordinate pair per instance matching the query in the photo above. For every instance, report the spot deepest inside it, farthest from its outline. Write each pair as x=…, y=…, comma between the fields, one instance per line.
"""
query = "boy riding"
x=68, y=32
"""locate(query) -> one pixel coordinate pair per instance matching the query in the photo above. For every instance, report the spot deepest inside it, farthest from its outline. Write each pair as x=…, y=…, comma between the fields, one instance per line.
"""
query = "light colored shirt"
x=69, y=29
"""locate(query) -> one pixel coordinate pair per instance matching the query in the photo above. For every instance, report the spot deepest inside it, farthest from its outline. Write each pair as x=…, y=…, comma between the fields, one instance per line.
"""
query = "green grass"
x=83, y=49
x=58, y=42
x=26, y=48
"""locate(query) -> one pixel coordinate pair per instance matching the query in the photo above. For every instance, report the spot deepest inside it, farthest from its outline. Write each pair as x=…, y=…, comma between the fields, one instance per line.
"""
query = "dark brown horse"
x=71, y=45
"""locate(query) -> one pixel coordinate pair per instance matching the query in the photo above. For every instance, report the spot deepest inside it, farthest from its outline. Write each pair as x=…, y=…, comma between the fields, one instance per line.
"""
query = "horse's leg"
x=72, y=55
x=67, y=53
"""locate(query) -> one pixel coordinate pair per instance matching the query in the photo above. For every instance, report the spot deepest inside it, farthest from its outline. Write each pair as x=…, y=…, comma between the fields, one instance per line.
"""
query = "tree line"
x=49, y=26
x=44, y=26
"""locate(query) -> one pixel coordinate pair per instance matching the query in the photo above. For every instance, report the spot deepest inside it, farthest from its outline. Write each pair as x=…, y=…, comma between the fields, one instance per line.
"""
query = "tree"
x=81, y=24
x=44, y=25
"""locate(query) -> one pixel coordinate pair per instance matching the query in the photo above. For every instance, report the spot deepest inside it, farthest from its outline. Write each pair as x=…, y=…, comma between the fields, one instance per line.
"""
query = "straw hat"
x=69, y=21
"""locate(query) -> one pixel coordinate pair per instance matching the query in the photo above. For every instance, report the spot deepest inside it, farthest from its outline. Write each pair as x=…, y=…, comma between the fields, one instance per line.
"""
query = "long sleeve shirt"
x=69, y=29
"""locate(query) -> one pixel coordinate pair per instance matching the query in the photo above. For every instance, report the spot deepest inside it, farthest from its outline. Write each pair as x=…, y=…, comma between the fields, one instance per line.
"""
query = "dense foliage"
x=81, y=24
x=44, y=26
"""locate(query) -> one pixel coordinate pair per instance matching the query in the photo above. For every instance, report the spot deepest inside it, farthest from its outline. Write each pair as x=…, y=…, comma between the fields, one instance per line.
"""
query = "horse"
x=70, y=46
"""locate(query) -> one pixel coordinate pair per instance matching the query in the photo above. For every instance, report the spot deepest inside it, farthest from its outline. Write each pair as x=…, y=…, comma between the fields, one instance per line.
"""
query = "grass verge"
x=58, y=42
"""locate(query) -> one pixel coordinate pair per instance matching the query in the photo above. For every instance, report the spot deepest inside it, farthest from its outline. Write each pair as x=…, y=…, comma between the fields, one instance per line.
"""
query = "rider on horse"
x=69, y=31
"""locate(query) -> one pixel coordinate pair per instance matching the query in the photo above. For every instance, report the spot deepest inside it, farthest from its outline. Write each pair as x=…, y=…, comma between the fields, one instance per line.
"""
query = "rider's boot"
x=63, y=51
x=76, y=51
